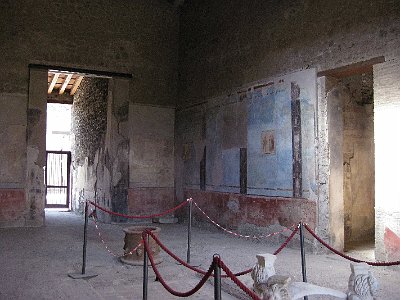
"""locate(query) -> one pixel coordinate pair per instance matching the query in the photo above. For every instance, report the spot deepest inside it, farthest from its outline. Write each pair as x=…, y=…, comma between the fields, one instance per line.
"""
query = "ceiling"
x=62, y=86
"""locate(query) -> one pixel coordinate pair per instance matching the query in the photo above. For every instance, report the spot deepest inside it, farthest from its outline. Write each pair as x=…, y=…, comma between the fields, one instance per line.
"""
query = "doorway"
x=61, y=88
x=358, y=161
x=351, y=140
x=58, y=179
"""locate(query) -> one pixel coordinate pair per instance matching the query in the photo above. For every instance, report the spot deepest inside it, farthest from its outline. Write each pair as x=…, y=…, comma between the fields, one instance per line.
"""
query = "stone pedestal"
x=133, y=236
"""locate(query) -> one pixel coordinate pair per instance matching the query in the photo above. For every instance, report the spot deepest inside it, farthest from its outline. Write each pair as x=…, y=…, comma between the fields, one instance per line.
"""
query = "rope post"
x=83, y=274
x=303, y=255
x=217, y=278
x=85, y=238
x=189, y=239
x=145, y=268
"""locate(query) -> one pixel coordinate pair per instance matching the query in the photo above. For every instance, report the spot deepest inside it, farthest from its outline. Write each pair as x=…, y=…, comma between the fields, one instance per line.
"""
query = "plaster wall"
x=227, y=44
x=136, y=37
x=151, y=159
x=223, y=125
x=13, y=171
x=359, y=159
x=335, y=103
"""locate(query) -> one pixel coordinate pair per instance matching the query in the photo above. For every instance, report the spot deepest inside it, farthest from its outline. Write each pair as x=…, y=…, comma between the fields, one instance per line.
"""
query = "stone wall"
x=227, y=45
x=89, y=124
x=89, y=118
x=136, y=37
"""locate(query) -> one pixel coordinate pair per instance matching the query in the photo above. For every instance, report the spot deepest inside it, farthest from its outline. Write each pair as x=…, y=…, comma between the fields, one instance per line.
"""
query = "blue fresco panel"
x=270, y=174
x=231, y=165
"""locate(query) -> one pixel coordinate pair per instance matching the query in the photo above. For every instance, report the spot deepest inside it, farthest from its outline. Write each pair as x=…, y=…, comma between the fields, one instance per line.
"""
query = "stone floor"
x=34, y=263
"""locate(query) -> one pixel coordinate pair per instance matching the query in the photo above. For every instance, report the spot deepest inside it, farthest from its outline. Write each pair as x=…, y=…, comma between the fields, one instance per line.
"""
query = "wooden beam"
x=353, y=69
x=84, y=72
x=65, y=84
x=76, y=85
x=53, y=82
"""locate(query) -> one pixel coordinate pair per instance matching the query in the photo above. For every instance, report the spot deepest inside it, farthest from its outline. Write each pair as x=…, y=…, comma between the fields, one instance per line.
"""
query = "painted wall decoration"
x=257, y=117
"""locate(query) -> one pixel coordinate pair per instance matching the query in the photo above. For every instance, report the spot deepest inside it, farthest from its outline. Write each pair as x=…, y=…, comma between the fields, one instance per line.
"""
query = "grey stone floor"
x=34, y=263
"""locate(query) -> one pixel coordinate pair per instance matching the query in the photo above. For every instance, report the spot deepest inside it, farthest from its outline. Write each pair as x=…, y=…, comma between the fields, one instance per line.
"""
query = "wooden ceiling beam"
x=65, y=84
x=76, y=85
x=53, y=82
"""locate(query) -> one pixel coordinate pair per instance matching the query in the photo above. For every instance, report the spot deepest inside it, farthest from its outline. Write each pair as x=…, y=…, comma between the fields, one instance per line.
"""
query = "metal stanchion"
x=189, y=240
x=145, y=270
x=189, y=232
x=303, y=256
x=217, y=280
x=83, y=274
x=85, y=238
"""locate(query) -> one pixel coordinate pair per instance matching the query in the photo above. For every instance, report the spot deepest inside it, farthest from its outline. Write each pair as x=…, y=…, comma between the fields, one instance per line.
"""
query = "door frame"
x=68, y=186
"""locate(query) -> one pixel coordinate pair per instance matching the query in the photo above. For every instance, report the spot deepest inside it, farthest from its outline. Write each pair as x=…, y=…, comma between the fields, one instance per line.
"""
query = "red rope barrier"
x=235, y=233
x=182, y=262
x=235, y=279
x=393, y=263
x=286, y=242
x=139, y=217
x=105, y=244
x=162, y=281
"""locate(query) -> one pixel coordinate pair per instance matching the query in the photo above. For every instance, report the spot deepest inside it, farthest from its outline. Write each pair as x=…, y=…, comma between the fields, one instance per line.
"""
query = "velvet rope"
x=236, y=233
x=139, y=217
x=372, y=263
x=182, y=262
x=162, y=246
x=232, y=276
x=285, y=243
x=165, y=285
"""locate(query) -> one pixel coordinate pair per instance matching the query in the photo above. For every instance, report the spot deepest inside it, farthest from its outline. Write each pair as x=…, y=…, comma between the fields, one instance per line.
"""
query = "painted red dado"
x=145, y=201
x=233, y=210
x=392, y=244
x=12, y=204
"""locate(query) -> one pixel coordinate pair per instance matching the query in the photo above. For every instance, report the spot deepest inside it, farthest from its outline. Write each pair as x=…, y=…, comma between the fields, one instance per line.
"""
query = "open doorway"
x=358, y=161
x=350, y=115
x=61, y=88
x=100, y=144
